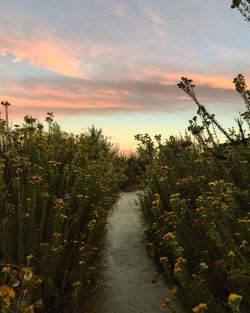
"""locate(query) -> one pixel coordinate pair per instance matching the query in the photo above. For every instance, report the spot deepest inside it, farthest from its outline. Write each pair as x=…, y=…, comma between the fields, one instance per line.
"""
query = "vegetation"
x=243, y=6
x=56, y=190
x=133, y=169
x=196, y=201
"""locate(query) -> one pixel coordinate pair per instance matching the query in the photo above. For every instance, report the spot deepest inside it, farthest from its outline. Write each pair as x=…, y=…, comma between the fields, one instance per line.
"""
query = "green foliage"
x=196, y=202
x=243, y=6
x=56, y=190
x=133, y=169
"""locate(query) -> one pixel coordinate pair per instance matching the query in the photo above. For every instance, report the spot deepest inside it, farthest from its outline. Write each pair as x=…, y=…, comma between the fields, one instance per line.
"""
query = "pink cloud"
x=173, y=77
x=46, y=53
x=54, y=54
x=71, y=96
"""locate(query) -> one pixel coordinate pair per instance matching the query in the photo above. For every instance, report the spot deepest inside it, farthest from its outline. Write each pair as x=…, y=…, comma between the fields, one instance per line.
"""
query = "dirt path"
x=127, y=272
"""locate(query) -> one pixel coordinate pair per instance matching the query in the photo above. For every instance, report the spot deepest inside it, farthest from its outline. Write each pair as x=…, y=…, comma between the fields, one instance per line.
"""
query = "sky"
x=116, y=64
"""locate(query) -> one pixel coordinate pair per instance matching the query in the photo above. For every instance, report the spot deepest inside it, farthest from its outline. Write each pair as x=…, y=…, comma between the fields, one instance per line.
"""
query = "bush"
x=56, y=190
x=196, y=202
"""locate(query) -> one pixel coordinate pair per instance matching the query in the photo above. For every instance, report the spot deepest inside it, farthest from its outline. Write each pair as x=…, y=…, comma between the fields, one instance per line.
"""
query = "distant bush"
x=133, y=170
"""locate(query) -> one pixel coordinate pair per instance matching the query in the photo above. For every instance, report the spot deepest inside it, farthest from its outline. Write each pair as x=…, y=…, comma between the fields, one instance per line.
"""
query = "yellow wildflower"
x=156, y=195
x=6, y=269
x=174, y=290
x=36, y=179
x=231, y=253
x=63, y=216
x=77, y=284
x=163, y=259
x=200, y=308
x=92, y=223
x=166, y=303
x=156, y=202
x=178, y=265
x=59, y=203
x=168, y=236
x=27, y=271
x=6, y=293
x=57, y=235
x=233, y=297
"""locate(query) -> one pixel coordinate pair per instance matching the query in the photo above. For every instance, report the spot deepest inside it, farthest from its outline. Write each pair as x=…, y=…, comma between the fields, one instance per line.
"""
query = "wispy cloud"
x=48, y=54
x=55, y=54
x=158, y=21
x=74, y=95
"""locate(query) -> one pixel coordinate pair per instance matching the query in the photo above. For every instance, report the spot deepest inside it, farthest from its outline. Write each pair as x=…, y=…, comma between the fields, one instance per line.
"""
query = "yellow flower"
x=233, y=297
x=174, y=290
x=6, y=269
x=203, y=306
x=178, y=265
x=231, y=253
x=200, y=308
x=168, y=236
x=166, y=303
x=77, y=284
x=156, y=195
x=57, y=235
x=156, y=202
x=27, y=271
x=59, y=203
x=63, y=216
x=36, y=179
x=92, y=223
x=163, y=259
x=203, y=266
x=6, y=293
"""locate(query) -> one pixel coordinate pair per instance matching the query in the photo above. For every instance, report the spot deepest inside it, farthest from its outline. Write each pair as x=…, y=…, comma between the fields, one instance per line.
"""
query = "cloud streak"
x=73, y=96
x=47, y=54
x=54, y=54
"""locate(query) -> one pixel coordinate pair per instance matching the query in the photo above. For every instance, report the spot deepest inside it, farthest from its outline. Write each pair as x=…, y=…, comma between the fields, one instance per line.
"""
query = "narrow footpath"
x=125, y=284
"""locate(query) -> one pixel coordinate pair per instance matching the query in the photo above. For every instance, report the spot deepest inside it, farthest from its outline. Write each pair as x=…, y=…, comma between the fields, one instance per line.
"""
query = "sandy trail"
x=126, y=271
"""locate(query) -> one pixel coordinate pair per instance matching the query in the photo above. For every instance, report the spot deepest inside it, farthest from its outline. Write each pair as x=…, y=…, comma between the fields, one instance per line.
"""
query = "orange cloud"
x=74, y=96
x=168, y=77
x=46, y=53
x=37, y=99
x=56, y=55
x=213, y=81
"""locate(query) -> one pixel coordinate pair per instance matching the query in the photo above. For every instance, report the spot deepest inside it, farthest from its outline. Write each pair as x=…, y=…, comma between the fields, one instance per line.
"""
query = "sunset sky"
x=115, y=64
